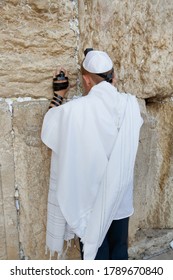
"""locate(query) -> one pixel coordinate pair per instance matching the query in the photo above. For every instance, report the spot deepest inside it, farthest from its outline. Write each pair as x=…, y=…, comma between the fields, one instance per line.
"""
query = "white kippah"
x=97, y=62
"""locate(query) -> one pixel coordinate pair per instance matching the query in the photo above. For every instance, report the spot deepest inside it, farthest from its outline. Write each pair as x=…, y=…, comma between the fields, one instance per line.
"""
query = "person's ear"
x=114, y=80
x=87, y=80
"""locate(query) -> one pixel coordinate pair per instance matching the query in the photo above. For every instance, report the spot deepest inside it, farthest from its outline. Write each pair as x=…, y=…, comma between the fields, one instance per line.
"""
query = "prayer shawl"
x=89, y=186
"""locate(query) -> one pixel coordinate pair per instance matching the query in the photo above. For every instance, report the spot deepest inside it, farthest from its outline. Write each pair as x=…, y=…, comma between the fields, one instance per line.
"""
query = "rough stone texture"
x=141, y=172
x=159, y=181
x=32, y=160
x=150, y=243
x=153, y=193
x=36, y=37
x=9, y=245
x=138, y=35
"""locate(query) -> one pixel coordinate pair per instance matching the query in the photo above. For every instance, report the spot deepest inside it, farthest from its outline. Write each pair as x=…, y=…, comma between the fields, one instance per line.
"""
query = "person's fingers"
x=58, y=70
x=65, y=71
x=55, y=73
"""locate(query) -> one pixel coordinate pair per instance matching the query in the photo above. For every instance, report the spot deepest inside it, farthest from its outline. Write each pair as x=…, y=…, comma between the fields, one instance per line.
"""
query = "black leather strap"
x=60, y=86
x=63, y=85
x=107, y=77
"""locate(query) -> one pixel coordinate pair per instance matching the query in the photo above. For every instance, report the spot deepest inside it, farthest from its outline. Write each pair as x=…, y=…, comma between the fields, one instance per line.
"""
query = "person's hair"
x=96, y=78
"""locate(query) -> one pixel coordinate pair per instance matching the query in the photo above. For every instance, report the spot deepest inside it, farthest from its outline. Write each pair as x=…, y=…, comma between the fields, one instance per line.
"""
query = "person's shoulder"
x=71, y=107
x=74, y=102
x=126, y=95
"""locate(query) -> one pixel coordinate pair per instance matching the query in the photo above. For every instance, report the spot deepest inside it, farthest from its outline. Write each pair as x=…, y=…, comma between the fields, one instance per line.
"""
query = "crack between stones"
x=16, y=190
x=1, y=194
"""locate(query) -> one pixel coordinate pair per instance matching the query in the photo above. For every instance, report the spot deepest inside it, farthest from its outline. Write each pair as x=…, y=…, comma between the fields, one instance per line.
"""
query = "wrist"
x=56, y=100
x=60, y=93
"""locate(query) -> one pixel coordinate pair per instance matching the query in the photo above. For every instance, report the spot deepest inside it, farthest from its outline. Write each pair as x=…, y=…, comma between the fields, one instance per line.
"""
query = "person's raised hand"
x=60, y=82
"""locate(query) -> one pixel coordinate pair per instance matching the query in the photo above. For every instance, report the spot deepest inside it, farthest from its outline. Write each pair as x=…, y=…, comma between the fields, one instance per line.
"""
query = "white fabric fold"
x=89, y=184
x=57, y=228
x=118, y=176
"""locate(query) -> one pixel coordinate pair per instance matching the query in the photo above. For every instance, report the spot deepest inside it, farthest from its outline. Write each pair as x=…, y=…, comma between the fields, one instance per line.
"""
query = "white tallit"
x=89, y=186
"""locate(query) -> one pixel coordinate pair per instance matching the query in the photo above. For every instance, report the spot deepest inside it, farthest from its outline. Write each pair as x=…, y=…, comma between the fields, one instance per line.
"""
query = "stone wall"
x=35, y=38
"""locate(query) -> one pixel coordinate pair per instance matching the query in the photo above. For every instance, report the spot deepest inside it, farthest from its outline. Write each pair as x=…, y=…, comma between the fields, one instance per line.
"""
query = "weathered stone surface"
x=32, y=160
x=150, y=243
x=141, y=171
x=36, y=37
x=160, y=174
x=9, y=246
x=153, y=193
x=138, y=36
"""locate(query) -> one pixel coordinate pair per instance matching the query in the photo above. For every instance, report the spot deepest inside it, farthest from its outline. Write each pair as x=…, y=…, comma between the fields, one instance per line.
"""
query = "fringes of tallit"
x=60, y=255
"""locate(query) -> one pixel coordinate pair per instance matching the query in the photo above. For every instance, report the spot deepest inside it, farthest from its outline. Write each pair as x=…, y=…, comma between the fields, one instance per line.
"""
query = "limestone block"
x=32, y=160
x=9, y=246
x=160, y=173
x=153, y=171
x=36, y=37
x=140, y=173
x=138, y=37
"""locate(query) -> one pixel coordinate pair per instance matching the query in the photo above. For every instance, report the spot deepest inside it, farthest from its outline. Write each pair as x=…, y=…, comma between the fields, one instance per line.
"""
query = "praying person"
x=94, y=141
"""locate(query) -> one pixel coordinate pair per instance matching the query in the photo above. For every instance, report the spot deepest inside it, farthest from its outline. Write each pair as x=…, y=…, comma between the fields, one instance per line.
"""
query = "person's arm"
x=60, y=87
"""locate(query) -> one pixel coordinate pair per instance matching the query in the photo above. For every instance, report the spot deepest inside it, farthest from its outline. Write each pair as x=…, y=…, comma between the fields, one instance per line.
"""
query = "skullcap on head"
x=97, y=62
